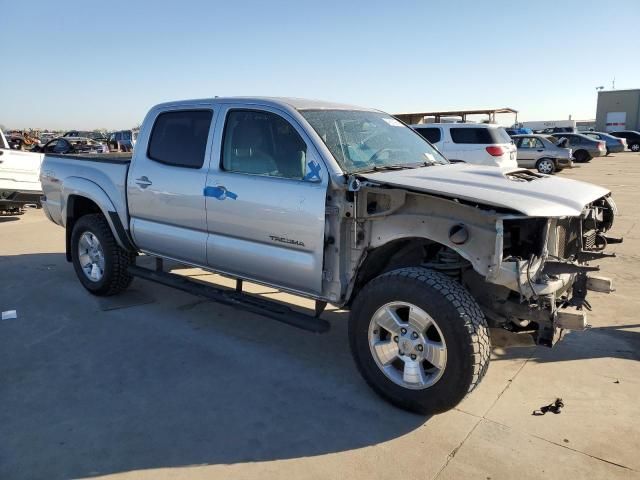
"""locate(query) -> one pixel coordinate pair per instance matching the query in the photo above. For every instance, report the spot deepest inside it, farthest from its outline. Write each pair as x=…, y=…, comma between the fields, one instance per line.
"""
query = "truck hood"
x=529, y=193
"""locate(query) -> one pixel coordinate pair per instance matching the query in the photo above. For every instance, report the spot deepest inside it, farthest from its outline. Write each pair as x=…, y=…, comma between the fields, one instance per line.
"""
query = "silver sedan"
x=539, y=152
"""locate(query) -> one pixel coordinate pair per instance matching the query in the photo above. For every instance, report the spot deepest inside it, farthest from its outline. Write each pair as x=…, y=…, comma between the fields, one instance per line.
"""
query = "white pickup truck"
x=343, y=205
x=19, y=178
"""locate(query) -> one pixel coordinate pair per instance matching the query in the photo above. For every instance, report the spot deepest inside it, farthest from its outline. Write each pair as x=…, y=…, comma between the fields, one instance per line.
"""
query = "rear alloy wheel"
x=100, y=263
x=546, y=166
x=635, y=147
x=419, y=339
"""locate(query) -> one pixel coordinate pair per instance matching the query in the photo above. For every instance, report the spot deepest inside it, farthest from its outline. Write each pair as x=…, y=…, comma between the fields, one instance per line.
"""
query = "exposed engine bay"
x=551, y=260
x=529, y=273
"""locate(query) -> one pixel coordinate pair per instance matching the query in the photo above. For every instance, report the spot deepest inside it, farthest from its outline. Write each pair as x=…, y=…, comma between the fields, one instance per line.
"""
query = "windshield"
x=361, y=141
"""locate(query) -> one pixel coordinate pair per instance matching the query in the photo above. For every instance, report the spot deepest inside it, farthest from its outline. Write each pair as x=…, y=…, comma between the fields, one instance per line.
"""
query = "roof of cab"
x=290, y=102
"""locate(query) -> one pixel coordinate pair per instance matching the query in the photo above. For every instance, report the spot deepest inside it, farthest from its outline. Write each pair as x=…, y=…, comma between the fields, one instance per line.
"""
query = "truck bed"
x=101, y=176
x=115, y=157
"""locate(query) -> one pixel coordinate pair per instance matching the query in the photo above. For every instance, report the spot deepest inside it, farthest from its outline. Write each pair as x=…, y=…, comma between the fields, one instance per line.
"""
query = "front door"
x=265, y=198
x=166, y=182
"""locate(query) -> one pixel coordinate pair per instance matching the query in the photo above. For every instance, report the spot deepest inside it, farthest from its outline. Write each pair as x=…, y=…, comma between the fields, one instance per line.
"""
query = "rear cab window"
x=179, y=138
x=479, y=135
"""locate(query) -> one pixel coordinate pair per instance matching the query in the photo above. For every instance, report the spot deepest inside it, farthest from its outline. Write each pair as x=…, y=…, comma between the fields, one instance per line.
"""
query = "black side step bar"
x=234, y=298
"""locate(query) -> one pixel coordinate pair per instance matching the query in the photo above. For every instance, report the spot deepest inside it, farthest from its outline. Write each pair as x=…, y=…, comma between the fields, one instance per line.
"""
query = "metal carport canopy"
x=418, y=117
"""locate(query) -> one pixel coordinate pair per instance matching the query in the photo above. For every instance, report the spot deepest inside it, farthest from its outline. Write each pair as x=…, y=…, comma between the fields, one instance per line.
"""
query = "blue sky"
x=82, y=64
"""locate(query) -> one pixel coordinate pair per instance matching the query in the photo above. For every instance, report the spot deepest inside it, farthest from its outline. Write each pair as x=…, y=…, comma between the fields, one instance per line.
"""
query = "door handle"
x=541, y=150
x=143, y=182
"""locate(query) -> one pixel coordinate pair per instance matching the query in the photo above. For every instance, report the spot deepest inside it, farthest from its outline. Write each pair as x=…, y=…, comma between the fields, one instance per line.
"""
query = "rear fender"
x=76, y=188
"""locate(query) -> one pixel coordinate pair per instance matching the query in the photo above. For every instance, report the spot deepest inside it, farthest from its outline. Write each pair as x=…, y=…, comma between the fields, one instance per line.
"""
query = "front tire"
x=635, y=147
x=546, y=166
x=100, y=263
x=419, y=339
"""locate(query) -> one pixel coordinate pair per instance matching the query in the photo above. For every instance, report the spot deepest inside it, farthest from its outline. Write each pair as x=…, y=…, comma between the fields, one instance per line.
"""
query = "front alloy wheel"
x=419, y=339
x=407, y=345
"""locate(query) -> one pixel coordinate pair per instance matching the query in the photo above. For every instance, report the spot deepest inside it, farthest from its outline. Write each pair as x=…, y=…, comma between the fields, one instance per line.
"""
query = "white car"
x=477, y=143
x=19, y=178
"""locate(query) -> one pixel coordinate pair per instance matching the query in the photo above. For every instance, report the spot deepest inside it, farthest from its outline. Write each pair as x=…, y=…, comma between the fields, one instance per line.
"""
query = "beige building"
x=618, y=110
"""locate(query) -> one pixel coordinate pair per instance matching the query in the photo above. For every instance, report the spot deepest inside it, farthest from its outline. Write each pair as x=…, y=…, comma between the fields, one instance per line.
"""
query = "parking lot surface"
x=159, y=384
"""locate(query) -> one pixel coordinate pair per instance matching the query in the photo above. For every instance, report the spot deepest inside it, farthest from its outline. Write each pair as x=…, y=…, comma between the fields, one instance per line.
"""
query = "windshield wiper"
x=395, y=166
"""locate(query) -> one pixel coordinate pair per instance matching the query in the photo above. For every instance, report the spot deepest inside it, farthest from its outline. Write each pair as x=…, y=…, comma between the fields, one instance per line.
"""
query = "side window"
x=62, y=146
x=538, y=143
x=471, y=135
x=526, y=143
x=180, y=138
x=49, y=147
x=262, y=143
x=431, y=134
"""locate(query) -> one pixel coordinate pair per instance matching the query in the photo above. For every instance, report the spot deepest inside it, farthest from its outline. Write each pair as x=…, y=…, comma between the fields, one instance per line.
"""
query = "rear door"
x=165, y=183
x=469, y=144
x=265, y=197
x=526, y=152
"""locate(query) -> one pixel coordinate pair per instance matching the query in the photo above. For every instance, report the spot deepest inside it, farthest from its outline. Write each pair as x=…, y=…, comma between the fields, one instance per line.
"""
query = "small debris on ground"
x=617, y=381
x=552, y=407
x=9, y=315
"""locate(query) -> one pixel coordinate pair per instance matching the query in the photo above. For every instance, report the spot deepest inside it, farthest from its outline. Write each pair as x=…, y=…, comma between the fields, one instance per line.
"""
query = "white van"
x=479, y=143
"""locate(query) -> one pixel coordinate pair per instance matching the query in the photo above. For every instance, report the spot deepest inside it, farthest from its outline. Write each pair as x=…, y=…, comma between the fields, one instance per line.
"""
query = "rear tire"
x=546, y=166
x=103, y=271
x=427, y=387
x=635, y=147
x=582, y=156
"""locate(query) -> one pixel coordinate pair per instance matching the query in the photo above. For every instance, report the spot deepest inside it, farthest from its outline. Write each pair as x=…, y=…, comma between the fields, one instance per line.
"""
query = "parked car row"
x=68, y=144
x=121, y=140
x=489, y=144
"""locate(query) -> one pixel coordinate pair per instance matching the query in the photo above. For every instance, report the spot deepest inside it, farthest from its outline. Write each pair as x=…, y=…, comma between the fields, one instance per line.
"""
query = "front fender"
x=479, y=250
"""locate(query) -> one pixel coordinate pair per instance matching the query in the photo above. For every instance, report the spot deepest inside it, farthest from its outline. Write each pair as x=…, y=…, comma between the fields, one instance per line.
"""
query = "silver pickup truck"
x=347, y=206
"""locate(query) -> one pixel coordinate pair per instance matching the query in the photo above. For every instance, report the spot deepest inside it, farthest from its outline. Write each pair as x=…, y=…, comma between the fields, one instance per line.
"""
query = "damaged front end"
x=541, y=275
